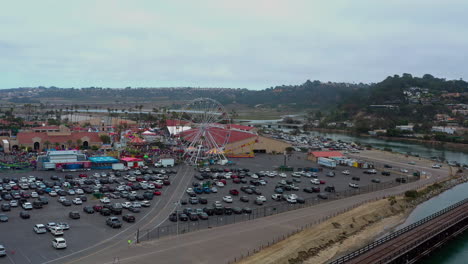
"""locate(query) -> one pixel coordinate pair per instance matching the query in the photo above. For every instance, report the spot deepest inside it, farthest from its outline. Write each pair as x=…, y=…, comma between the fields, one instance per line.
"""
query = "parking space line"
x=26, y=257
x=181, y=182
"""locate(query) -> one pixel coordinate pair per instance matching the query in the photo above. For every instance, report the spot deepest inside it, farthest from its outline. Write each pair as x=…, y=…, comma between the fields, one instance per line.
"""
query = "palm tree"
x=56, y=145
x=69, y=143
x=47, y=143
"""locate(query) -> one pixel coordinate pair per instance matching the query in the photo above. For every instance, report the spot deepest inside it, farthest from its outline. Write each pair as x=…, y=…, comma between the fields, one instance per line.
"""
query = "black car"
x=173, y=217
x=355, y=178
x=387, y=166
x=43, y=199
x=386, y=173
x=74, y=215
x=308, y=190
x=105, y=211
x=300, y=200
x=129, y=218
x=66, y=203
x=219, y=211
x=6, y=207
x=228, y=211
x=330, y=189
x=244, y=199
x=134, y=209
x=83, y=198
x=203, y=200
x=208, y=211
x=116, y=209
x=37, y=204
x=25, y=215
x=88, y=210
x=183, y=201
x=246, y=210
x=400, y=180
x=183, y=217
x=237, y=210
x=193, y=216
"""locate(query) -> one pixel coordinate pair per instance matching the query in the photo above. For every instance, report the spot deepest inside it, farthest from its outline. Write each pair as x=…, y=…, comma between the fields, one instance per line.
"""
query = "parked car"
x=129, y=218
x=346, y=172
x=353, y=185
x=25, y=215
x=113, y=222
x=74, y=215
x=386, y=173
x=2, y=251
x=355, y=178
x=244, y=199
x=375, y=180
x=40, y=229
x=59, y=243
x=227, y=199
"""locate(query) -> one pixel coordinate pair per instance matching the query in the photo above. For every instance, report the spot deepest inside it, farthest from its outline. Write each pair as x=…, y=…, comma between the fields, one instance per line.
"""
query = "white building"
x=442, y=129
x=405, y=128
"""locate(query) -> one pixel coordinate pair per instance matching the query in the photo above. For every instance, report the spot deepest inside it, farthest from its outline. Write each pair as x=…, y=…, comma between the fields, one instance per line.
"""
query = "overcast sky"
x=233, y=43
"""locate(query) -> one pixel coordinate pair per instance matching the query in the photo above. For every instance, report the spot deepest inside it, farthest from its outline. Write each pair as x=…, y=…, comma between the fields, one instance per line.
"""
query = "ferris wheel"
x=204, y=130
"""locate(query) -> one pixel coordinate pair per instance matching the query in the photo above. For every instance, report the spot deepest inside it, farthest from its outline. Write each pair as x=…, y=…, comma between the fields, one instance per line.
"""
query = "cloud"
x=253, y=44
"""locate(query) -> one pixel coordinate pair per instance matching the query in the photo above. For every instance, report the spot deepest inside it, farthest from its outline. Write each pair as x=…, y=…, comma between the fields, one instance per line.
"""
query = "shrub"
x=411, y=194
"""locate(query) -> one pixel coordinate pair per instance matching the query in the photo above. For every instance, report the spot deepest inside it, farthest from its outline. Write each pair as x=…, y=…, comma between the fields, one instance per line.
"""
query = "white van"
x=56, y=231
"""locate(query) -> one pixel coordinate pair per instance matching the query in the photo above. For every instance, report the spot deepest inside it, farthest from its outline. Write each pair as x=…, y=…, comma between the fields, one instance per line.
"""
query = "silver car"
x=2, y=251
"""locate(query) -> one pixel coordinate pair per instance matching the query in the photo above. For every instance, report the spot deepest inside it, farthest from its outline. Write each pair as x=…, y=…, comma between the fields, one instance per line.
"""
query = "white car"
x=59, y=243
x=56, y=230
x=145, y=203
x=220, y=184
x=126, y=205
x=282, y=175
x=227, y=199
x=14, y=203
x=261, y=198
x=77, y=201
x=296, y=175
x=61, y=199
x=404, y=170
x=315, y=181
x=254, y=176
x=291, y=200
x=79, y=191
x=136, y=205
x=345, y=172
x=34, y=195
x=53, y=193
x=293, y=195
x=436, y=166
x=353, y=185
x=262, y=182
x=40, y=229
x=27, y=206
x=105, y=200
x=214, y=189
x=276, y=197
x=97, y=175
x=63, y=225
x=189, y=190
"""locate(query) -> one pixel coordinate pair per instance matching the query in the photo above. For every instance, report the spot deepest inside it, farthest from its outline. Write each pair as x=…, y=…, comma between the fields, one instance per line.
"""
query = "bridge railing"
x=396, y=233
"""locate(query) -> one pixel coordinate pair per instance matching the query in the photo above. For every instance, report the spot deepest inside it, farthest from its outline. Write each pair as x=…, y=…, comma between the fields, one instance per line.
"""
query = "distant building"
x=444, y=129
x=405, y=128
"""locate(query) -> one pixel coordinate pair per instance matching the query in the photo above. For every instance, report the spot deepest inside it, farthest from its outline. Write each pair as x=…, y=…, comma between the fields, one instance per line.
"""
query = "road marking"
x=108, y=239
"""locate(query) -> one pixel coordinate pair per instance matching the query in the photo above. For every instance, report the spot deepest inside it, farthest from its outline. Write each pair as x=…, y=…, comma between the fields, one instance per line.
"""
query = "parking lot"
x=267, y=164
x=24, y=246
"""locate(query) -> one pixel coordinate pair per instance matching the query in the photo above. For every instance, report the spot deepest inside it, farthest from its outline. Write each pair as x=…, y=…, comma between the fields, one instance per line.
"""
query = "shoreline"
x=436, y=144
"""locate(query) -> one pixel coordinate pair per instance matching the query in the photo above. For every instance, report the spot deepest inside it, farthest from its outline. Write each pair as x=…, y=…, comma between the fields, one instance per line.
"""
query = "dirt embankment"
x=335, y=236
x=348, y=231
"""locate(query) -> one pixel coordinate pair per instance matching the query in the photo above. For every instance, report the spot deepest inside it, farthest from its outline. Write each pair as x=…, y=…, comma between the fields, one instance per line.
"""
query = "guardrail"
x=278, y=207
x=396, y=233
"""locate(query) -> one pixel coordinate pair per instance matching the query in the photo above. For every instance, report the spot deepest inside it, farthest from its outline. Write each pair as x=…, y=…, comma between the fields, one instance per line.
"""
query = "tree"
x=289, y=150
x=47, y=143
x=79, y=142
x=105, y=139
x=69, y=143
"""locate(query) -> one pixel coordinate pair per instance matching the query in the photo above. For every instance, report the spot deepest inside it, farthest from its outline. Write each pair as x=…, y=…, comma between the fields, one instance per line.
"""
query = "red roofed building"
x=62, y=138
x=314, y=155
x=239, y=143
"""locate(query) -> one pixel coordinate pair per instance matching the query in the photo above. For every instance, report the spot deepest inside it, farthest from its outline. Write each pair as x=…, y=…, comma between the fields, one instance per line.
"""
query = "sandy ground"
x=336, y=236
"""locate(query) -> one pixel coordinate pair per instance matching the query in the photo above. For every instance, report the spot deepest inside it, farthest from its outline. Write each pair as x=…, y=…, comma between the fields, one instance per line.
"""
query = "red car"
x=234, y=176
x=158, y=186
x=97, y=208
x=15, y=187
x=322, y=182
x=167, y=182
x=223, y=181
x=139, y=179
x=236, y=180
x=82, y=175
x=234, y=192
x=157, y=193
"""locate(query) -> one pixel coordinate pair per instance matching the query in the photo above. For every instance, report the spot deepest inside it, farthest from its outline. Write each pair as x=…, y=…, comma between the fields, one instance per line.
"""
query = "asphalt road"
x=225, y=243
x=87, y=234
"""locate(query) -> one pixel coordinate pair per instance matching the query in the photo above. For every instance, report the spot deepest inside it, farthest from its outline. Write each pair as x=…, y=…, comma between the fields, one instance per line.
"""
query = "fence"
x=279, y=207
x=396, y=233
